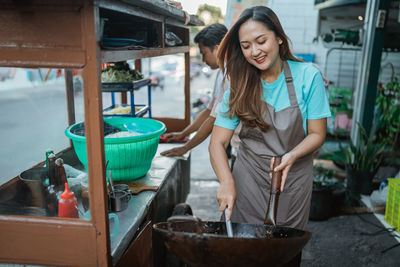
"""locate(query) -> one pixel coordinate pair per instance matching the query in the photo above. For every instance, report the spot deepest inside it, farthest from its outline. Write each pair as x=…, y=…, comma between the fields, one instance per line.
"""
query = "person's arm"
x=194, y=126
x=203, y=132
x=226, y=194
x=316, y=136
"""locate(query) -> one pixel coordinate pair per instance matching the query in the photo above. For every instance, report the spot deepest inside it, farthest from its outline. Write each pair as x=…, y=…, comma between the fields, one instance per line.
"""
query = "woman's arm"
x=316, y=136
x=194, y=126
x=226, y=194
x=203, y=132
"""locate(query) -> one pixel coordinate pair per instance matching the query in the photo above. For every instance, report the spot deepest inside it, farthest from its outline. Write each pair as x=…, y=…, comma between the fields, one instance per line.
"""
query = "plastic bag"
x=171, y=39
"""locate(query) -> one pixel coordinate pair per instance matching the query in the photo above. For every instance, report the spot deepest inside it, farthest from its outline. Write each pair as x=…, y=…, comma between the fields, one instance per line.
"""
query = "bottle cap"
x=59, y=161
x=67, y=194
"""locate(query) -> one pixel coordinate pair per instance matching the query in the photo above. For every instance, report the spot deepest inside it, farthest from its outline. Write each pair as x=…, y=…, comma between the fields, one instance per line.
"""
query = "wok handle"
x=184, y=218
x=275, y=190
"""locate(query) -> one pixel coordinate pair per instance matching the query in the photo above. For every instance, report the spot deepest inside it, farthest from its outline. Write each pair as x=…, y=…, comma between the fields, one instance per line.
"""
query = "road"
x=34, y=118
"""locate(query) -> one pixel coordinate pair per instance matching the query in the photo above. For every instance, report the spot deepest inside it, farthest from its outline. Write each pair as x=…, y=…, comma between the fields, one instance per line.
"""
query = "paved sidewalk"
x=204, y=185
x=354, y=240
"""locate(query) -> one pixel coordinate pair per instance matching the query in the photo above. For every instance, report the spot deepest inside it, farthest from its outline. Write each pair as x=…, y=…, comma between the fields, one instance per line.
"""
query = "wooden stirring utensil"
x=275, y=191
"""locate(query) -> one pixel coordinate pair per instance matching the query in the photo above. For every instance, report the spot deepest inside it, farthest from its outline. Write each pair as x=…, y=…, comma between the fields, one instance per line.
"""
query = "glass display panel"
x=35, y=160
x=168, y=78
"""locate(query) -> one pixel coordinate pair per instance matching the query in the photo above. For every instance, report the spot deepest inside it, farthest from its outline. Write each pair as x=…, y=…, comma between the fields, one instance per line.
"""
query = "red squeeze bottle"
x=68, y=205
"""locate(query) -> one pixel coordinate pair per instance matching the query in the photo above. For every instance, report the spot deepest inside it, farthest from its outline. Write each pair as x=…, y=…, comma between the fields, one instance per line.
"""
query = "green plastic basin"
x=129, y=157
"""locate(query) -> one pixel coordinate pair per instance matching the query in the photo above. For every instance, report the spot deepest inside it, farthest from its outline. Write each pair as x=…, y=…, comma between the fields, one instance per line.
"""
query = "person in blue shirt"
x=283, y=107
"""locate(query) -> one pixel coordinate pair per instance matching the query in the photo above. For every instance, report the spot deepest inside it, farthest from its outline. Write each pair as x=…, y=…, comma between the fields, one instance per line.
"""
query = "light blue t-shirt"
x=310, y=93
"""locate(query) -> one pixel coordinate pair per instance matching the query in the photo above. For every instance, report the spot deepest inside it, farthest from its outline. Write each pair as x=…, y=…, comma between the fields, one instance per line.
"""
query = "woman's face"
x=260, y=46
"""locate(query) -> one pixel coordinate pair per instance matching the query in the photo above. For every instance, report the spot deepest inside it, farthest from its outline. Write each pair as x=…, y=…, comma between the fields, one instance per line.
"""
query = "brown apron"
x=251, y=169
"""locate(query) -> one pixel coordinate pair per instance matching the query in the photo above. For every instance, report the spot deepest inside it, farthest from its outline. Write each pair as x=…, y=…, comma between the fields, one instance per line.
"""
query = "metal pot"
x=33, y=180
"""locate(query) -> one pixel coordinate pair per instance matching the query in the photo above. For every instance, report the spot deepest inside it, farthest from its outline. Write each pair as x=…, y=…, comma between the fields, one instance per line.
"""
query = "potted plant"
x=388, y=116
x=322, y=194
x=362, y=162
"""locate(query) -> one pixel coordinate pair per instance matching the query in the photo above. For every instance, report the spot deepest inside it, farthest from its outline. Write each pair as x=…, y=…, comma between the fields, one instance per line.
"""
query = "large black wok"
x=200, y=243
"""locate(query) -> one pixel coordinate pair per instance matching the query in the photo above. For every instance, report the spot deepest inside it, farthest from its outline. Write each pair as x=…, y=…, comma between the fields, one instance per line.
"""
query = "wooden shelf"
x=123, y=55
x=42, y=58
x=161, y=7
x=130, y=10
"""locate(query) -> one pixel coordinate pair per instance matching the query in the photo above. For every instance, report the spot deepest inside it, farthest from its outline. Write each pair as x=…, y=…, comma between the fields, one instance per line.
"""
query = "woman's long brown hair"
x=245, y=100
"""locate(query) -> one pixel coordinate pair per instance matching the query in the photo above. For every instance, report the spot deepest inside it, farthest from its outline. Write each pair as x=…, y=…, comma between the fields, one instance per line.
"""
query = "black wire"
x=389, y=248
x=377, y=226
x=382, y=230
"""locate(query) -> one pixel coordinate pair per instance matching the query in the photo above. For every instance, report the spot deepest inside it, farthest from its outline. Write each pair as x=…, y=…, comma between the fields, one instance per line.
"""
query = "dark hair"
x=211, y=35
x=244, y=78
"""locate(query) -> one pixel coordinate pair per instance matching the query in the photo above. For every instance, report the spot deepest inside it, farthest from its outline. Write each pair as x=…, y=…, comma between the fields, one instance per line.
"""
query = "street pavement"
x=204, y=185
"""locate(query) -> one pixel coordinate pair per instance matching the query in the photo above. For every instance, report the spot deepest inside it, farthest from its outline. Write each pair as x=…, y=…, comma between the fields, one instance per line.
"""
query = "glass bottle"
x=48, y=153
x=50, y=190
x=60, y=177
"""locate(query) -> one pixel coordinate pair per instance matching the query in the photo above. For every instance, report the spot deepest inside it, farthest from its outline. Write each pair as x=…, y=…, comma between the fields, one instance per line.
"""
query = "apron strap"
x=289, y=83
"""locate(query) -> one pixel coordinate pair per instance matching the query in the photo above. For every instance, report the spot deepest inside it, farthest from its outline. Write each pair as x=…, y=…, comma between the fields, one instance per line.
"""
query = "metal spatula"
x=228, y=224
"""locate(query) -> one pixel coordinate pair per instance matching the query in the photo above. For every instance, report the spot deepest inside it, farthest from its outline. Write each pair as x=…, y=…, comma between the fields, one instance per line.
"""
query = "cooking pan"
x=200, y=243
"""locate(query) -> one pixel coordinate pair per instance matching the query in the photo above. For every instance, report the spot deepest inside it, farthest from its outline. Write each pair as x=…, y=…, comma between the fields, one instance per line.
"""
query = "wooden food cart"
x=67, y=34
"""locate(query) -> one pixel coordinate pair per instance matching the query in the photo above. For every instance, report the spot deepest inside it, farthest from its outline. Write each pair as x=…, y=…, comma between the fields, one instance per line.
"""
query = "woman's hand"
x=175, y=152
x=226, y=197
x=287, y=162
x=316, y=135
x=174, y=137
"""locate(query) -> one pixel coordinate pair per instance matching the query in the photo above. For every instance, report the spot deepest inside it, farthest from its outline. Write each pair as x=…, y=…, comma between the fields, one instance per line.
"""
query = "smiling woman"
x=256, y=42
x=282, y=105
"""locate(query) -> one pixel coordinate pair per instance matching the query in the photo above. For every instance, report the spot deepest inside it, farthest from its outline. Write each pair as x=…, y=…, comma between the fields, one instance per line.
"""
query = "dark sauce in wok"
x=240, y=230
x=246, y=231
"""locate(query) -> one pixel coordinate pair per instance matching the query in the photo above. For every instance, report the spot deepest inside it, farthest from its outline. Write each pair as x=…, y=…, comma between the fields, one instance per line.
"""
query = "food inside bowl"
x=122, y=134
x=79, y=129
